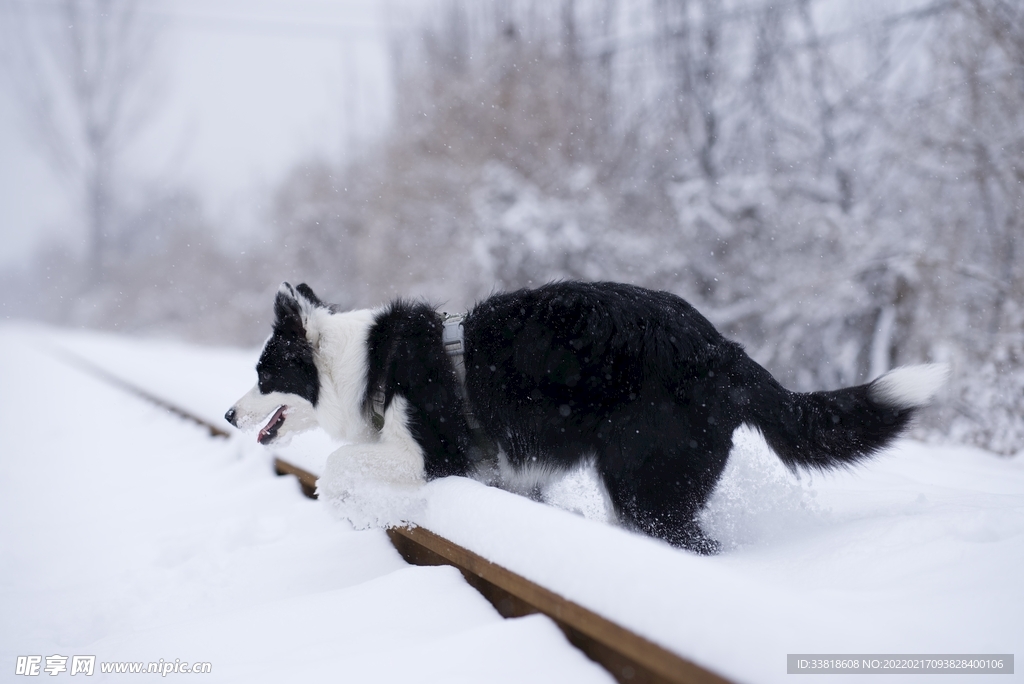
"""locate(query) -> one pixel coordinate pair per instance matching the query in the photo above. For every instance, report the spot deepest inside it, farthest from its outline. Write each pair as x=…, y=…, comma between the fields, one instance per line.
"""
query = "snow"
x=133, y=535
x=141, y=537
x=206, y=381
x=918, y=552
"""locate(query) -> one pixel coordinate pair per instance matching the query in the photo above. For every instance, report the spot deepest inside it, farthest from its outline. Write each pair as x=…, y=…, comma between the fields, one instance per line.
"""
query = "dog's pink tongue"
x=271, y=425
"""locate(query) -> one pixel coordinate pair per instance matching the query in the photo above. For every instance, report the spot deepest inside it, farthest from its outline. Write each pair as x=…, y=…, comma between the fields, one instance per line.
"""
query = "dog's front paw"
x=370, y=487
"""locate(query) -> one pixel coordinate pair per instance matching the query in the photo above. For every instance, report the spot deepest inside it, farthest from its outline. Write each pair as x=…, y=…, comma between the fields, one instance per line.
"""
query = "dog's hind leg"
x=656, y=516
x=658, y=482
x=690, y=536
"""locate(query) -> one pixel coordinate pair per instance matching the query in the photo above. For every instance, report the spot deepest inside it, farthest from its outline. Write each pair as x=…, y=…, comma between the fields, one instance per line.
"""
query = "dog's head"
x=285, y=397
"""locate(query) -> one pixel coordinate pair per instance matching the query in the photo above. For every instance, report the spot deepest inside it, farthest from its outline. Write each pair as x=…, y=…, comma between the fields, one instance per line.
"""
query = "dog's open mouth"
x=269, y=431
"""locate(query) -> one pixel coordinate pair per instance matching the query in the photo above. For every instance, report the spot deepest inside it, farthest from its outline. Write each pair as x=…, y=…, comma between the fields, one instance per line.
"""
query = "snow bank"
x=916, y=552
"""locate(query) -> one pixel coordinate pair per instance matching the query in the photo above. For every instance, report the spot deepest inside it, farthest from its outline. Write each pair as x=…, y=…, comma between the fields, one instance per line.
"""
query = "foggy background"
x=836, y=185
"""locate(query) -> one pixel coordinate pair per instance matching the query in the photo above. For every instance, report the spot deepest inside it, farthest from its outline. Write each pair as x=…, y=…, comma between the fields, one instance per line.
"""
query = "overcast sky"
x=247, y=88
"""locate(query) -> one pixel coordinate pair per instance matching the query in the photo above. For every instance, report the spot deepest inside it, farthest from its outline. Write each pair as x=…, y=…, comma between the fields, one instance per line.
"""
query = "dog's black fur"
x=634, y=379
x=286, y=364
x=406, y=353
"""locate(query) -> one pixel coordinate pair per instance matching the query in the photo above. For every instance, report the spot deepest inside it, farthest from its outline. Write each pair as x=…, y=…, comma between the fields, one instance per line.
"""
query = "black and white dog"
x=635, y=381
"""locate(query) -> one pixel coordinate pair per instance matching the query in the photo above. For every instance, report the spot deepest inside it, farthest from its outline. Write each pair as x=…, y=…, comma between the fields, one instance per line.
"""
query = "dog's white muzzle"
x=279, y=414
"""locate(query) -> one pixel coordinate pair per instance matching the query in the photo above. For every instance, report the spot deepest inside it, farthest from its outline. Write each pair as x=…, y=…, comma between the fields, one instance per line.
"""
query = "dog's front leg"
x=393, y=458
x=379, y=462
x=373, y=485
x=376, y=484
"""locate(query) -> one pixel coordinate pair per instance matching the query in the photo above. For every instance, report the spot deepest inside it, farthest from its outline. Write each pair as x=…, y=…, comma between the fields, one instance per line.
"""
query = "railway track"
x=627, y=656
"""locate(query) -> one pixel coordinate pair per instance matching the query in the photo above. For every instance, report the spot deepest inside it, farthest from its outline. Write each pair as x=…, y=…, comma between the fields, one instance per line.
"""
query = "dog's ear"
x=307, y=292
x=288, y=312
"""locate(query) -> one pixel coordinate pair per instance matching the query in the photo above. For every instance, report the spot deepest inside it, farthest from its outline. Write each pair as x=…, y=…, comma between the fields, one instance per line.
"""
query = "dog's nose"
x=231, y=415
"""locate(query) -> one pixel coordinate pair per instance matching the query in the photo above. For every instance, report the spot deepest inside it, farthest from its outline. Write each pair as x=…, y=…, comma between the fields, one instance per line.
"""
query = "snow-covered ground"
x=133, y=535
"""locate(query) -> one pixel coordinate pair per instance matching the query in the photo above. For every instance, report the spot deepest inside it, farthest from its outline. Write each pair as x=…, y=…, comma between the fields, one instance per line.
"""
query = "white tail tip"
x=910, y=386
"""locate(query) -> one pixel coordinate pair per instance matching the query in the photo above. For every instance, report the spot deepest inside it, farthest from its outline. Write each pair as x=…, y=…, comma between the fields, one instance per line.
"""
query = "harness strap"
x=455, y=347
x=453, y=339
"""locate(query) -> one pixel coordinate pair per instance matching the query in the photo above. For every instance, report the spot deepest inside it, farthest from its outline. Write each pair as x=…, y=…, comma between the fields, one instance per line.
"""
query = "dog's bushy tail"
x=828, y=429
